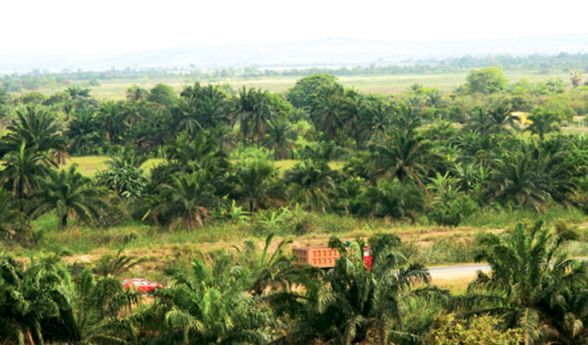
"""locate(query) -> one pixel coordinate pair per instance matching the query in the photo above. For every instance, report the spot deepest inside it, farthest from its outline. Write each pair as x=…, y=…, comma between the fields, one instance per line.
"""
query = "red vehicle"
x=142, y=286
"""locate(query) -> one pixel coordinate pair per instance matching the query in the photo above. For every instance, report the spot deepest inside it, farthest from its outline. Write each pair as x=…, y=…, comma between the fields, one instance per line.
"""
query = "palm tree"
x=113, y=119
x=517, y=178
x=39, y=130
x=43, y=304
x=115, y=265
x=353, y=304
x=68, y=193
x=186, y=119
x=269, y=269
x=253, y=108
x=94, y=318
x=493, y=120
x=327, y=111
x=136, y=94
x=543, y=122
x=402, y=156
x=312, y=184
x=124, y=174
x=533, y=285
x=202, y=107
x=395, y=199
x=12, y=220
x=186, y=200
x=406, y=118
x=561, y=160
x=255, y=182
x=126, y=158
x=85, y=133
x=355, y=109
x=378, y=119
x=207, y=306
x=33, y=300
x=280, y=137
x=22, y=168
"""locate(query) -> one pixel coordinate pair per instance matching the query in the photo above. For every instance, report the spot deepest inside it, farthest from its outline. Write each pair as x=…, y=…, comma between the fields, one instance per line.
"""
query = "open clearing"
x=90, y=165
x=379, y=84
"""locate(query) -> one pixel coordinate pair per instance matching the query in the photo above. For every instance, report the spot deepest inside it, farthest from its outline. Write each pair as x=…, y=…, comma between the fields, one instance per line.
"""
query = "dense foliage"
x=533, y=294
x=420, y=156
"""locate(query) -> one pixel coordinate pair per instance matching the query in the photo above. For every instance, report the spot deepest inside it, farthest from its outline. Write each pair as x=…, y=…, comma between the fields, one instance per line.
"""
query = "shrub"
x=451, y=210
x=394, y=199
x=129, y=182
x=480, y=330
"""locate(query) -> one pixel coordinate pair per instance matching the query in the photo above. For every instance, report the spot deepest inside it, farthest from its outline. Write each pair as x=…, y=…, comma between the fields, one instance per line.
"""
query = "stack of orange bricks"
x=322, y=257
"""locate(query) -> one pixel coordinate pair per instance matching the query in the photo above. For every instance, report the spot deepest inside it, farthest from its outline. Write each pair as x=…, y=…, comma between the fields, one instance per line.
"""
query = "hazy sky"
x=42, y=27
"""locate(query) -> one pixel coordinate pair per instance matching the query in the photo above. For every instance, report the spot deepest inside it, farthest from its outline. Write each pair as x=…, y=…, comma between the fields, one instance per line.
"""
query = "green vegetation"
x=177, y=179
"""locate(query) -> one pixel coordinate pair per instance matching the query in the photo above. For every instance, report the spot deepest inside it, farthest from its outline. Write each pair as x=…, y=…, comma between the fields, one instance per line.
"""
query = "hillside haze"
x=323, y=52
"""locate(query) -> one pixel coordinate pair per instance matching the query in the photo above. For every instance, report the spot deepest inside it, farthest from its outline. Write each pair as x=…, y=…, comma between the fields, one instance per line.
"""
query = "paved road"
x=464, y=270
x=457, y=271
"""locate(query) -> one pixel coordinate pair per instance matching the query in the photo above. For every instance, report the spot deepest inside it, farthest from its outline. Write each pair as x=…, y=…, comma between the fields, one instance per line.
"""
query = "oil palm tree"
x=33, y=300
x=22, y=169
x=406, y=118
x=518, y=179
x=113, y=119
x=402, y=155
x=543, y=122
x=270, y=268
x=202, y=107
x=395, y=199
x=280, y=137
x=39, y=130
x=378, y=119
x=312, y=184
x=327, y=110
x=255, y=182
x=355, y=111
x=254, y=110
x=531, y=284
x=564, y=162
x=69, y=194
x=352, y=304
x=492, y=120
x=85, y=134
x=206, y=305
x=94, y=316
x=12, y=220
x=186, y=201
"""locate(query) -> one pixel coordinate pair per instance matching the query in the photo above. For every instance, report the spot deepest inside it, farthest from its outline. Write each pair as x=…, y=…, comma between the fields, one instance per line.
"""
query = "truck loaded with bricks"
x=325, y=257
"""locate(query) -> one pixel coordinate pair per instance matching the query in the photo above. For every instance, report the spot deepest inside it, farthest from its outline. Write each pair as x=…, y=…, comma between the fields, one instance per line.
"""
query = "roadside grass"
x=457, y=286
x=431, y=243
x=501, y=218
x=160, y=248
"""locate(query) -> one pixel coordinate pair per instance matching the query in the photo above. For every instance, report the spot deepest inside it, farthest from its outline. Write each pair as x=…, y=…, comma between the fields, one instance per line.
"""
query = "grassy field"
x=575, y=130
x=90, y=165
x=434, y=244
x=383, y=84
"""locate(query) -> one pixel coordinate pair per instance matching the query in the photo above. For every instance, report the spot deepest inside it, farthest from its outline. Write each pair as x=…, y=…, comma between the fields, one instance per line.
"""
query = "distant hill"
x=323, y=53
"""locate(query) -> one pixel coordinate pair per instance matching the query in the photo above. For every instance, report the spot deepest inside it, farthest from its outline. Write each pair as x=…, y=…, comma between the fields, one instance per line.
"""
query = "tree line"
x=419, y=155
x=543, y=64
